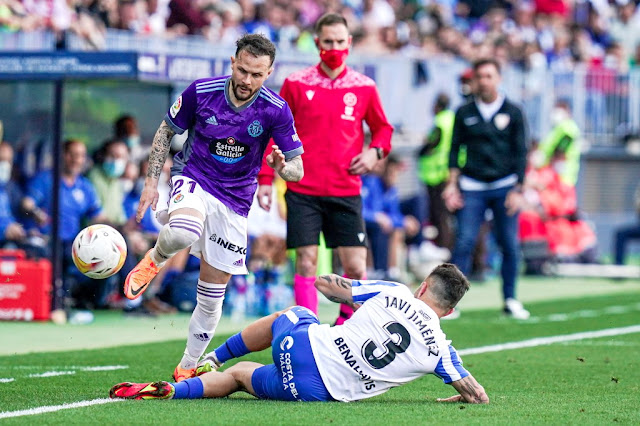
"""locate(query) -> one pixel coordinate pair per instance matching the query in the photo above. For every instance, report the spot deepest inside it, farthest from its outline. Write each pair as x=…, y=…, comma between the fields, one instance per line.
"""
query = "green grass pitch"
x=589, y=381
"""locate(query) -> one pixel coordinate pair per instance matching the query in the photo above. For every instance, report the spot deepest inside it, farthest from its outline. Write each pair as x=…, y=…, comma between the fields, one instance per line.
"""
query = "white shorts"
x=223, y=243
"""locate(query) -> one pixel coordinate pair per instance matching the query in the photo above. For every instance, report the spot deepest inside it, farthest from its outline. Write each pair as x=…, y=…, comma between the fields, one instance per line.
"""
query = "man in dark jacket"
x=493, y=131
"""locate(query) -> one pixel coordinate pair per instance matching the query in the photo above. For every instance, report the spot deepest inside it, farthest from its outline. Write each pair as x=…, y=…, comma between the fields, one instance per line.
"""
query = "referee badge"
x=501, y=121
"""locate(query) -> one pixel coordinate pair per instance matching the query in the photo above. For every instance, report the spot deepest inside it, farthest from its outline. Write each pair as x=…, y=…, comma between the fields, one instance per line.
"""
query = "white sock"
x=181, y=232
x=204, y=321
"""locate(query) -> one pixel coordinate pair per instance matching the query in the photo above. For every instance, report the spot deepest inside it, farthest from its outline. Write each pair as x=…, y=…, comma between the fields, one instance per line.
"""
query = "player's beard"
x=236, y=92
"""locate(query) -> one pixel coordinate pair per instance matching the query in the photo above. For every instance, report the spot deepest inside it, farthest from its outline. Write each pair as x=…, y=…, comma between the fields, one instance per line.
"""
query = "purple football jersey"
x=226, y=144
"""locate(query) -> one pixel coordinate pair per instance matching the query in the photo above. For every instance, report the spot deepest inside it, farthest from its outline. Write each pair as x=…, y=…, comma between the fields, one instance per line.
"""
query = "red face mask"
x=333, y=58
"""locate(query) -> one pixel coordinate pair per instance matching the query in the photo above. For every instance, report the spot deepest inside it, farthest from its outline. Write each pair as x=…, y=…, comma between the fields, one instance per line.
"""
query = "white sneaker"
x=430, y=251
x=453, y=315
x=514, y=309
x=208, y=363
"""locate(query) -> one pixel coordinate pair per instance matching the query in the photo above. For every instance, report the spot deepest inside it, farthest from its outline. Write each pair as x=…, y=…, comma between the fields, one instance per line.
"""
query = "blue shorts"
x=294, y=375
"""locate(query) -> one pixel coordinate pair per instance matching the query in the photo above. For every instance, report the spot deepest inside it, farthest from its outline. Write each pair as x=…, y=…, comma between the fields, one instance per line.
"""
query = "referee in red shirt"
x=329, y=103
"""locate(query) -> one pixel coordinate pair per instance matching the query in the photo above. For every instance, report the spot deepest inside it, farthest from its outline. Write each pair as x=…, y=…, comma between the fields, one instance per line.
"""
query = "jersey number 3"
x=391, y=349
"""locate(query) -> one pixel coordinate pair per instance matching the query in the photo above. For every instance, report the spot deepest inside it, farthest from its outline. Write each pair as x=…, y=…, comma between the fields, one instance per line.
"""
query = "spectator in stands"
x=386, y=225
x=550, y=227
x=125, y=128
x=625, y=28
x=79, y=206
x=552, y=7
x=14, y=18
x=78, y=199
x=129, y=16
x=467, y=85
x=224, y=23
x=155, y=17
x=562, y=143
x=628, y=233
x=12, y=231
x=493, y=130
x=185, y=17
x=110, y=163
x=254, y=18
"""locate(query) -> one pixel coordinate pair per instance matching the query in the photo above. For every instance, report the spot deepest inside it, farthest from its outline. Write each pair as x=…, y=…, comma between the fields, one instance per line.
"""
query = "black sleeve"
x=456, y=139
x=564, y=143
x=431, y=142
x=519, y=144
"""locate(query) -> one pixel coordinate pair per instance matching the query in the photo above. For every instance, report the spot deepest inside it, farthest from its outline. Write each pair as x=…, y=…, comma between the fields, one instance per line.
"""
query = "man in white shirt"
x=394, y=337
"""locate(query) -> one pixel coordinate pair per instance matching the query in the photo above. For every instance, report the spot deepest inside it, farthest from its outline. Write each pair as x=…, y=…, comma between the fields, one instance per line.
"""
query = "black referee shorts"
x=339, y=219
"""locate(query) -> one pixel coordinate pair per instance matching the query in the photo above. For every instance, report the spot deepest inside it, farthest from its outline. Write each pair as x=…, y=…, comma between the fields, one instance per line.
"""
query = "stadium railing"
x=27, y=41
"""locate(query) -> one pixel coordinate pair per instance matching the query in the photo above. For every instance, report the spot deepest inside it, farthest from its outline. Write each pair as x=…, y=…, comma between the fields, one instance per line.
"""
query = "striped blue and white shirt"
x=392, y=339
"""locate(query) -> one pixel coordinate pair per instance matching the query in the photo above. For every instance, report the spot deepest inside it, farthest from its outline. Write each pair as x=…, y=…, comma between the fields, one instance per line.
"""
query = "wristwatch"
x=380, y=152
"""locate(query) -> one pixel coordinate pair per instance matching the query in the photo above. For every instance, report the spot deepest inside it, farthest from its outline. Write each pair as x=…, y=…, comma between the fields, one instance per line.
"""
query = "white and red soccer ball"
x=99, y=251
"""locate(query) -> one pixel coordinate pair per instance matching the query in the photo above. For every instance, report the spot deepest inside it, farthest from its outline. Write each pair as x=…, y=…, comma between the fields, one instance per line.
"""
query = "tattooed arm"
x=159, y=150
x=291, y=171
x=335, y=288
x=470, y=391
x=157, y=157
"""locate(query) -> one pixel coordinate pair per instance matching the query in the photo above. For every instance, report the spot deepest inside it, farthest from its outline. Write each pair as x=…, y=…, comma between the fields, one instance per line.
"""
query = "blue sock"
x=234, y=347
x=189, y=389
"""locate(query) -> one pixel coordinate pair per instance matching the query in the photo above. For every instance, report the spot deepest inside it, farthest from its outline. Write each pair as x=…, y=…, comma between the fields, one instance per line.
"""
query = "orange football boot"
x=180, y=374
x=140, y=277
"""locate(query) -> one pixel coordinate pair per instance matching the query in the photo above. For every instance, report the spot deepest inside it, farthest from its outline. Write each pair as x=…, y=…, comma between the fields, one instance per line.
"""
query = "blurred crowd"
x=535, y=33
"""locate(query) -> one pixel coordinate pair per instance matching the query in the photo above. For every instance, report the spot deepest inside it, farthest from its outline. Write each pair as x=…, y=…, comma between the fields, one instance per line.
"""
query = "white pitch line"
x=540, y=341
x=52, y=374
x=104, y=368
x=72, y=367
x=585, y=313
x=53, y=408
x=8, y=380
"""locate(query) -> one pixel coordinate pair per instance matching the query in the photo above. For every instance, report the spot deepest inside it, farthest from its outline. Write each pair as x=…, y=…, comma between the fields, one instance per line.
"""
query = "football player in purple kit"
x=230, y=121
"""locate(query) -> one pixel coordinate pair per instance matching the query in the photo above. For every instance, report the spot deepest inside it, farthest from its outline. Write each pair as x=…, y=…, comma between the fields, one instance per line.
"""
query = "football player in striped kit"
x=393, y=337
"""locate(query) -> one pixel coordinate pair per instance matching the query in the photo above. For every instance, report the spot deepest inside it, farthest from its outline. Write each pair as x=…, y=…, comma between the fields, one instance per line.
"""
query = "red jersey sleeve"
x=381, y=130
x=266, y=173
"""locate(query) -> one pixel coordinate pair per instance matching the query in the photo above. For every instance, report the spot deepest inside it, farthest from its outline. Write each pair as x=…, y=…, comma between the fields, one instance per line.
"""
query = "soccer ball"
x=99, y=251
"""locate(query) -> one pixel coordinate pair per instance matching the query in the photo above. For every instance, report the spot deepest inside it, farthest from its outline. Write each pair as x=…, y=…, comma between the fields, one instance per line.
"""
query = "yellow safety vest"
x=433, y=168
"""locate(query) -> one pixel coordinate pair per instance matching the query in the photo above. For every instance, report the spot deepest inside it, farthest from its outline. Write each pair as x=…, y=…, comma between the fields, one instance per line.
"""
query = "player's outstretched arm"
x=291, y=170
x=157, y=157
x=470, y=391
x=335, y=288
